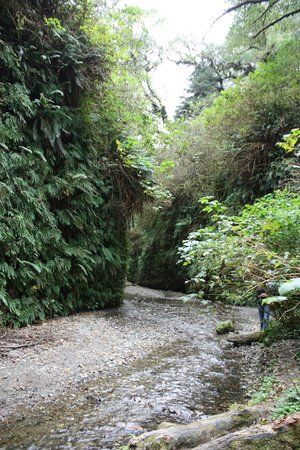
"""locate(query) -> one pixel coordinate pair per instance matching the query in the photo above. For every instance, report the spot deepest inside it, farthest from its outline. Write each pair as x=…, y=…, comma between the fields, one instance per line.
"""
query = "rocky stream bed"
x=94, y=380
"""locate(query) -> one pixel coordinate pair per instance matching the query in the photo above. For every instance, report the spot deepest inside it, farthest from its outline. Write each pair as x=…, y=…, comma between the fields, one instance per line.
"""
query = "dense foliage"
x=252, y=164
x=234, y=157
x=154, y=243
x=81, y=151
x=234, y=254
x=67, y=190
x=250, y=40
x=237, y=140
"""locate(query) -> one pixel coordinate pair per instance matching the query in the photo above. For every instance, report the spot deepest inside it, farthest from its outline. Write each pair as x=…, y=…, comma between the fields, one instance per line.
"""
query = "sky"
x=187, y=18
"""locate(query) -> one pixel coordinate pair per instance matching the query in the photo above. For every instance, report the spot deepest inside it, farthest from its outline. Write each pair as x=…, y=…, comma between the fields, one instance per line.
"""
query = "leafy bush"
x=277, y=331
x=290, y=288
x=231, y=151
x=286, y=307
x=233, y=254
x=252, y=165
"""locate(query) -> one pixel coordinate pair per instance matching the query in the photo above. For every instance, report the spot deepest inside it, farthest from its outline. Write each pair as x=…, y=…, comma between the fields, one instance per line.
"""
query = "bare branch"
x=265, y=11
x=289, y=310
x=186, y=62
x=271, y=24
x=238, y=6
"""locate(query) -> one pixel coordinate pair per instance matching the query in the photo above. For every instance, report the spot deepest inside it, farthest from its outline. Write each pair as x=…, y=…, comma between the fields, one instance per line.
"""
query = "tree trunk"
x=198, y=432
x=246, y=339
x=263, y=437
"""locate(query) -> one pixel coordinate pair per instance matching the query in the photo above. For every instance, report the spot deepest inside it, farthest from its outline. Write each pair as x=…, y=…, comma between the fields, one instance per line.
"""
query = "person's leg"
x=261, y=316
x=266, y=316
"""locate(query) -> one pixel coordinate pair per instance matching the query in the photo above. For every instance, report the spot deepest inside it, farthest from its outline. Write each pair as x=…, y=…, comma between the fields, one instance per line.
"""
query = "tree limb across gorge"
x=271, y=24
x=268, y=8
x=239, y=6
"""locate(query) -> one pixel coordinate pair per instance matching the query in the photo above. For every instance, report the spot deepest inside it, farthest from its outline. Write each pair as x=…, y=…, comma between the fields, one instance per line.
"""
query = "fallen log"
x=245, y=339
x=164, y=425
x=266, y=437
x=198, y=432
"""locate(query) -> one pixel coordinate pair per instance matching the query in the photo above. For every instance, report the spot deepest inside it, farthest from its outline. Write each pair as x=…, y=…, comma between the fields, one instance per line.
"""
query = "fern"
x=62, y=244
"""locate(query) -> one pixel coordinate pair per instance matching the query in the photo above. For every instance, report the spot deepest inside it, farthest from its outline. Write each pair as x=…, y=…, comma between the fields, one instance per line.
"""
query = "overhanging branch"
x=270, y=6
x=271, y=24
x=238, y=6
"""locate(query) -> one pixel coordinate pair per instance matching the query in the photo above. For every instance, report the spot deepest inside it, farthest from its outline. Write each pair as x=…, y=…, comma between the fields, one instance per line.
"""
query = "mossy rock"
x=225, y=327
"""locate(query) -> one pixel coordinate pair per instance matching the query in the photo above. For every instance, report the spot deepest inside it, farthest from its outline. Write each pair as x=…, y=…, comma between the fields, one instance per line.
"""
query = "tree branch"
x=271, y=24
x=265, y=11
x=238, y=6
x=289, y=310
x=186, y=62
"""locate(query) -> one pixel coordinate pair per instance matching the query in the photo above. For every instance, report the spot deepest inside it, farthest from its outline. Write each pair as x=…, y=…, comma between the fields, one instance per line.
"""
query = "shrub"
x=286, y=307
x=231, y=151
x=234, y=254
x=251, y=164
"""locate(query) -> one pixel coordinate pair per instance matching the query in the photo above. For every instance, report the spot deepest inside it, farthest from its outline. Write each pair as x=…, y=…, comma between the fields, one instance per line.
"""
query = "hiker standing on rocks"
x=264, y=310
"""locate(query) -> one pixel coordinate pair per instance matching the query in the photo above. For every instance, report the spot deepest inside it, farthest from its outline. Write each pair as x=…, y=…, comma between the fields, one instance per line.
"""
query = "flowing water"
x=195, y=375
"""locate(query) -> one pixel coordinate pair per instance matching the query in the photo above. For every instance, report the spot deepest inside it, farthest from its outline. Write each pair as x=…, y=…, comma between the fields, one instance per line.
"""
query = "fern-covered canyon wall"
x=65, y=196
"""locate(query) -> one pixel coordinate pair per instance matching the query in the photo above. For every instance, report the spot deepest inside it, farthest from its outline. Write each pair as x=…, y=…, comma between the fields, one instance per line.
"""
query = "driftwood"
x=266, y=437
x=16, y=346
x=198, y=432
x=245, y=339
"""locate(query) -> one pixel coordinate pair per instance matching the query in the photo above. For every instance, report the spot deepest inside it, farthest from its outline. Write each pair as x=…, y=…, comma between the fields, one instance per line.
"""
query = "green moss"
x=284, y=440
x=225, y=327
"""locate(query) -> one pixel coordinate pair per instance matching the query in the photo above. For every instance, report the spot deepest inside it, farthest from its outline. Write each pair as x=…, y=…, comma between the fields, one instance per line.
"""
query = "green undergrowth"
x=61, y=247
x=288, y=403
x=278, y=331
x=231, y=256
x=266, y=391
x=285, y=397
x=249, y=163
x=155, y=241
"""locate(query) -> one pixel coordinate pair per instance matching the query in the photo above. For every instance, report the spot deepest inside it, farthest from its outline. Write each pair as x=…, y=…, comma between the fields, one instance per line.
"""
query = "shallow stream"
x=197, y=374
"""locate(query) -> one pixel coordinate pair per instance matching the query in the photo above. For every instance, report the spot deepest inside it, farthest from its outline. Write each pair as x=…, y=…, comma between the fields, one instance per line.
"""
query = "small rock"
x=133, y=428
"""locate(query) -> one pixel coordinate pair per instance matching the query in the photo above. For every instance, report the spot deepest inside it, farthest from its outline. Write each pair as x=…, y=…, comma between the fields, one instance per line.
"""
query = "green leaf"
x=290, y=287
x=275, y=299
